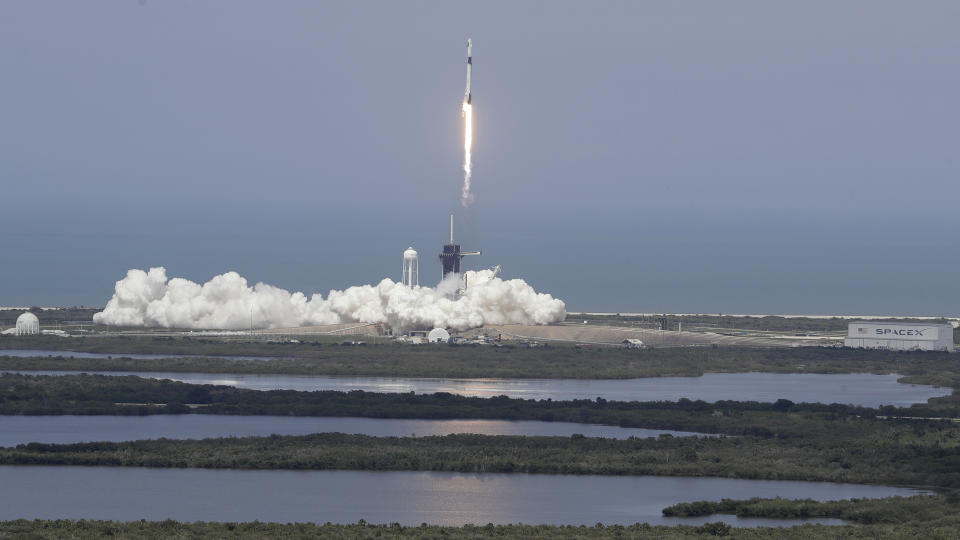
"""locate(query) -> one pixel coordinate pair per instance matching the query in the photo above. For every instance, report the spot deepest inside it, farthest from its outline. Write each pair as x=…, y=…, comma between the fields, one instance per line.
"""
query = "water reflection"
x=410, y=498
x=16, y=430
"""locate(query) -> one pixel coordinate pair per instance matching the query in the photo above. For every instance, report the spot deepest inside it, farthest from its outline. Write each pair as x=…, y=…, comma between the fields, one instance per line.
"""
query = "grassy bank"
x=398, y=360
x=90, y=530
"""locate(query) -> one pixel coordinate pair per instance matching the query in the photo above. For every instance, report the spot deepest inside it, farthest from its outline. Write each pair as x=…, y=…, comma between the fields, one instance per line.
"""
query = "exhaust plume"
x=227, y=302
x=466, y=196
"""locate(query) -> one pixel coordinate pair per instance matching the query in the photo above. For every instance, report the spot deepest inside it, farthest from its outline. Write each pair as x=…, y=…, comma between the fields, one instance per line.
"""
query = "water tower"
x=410, y=275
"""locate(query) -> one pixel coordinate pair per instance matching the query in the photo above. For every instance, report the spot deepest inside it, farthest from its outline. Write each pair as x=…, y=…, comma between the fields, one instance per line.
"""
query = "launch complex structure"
x=451, y=255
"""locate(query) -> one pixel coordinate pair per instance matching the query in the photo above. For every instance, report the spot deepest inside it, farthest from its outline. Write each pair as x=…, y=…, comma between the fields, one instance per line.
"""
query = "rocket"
x=466, y=95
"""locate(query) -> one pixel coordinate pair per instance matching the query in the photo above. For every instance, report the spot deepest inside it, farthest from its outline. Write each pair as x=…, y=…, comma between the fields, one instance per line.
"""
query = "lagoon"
x=65, y=429
x=409, y=498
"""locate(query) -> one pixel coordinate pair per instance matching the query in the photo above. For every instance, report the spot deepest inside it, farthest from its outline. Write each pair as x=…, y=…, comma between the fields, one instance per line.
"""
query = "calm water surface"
x=16, y=430
x=410, y=498
x=855, y=388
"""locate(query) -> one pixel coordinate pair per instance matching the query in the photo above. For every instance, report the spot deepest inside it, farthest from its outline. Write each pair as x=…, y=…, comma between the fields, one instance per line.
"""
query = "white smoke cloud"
x=227, y=302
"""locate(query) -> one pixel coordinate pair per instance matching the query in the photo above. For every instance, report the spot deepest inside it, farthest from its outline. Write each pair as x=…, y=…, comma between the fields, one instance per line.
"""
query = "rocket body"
x=467, y=95
x=466, y=110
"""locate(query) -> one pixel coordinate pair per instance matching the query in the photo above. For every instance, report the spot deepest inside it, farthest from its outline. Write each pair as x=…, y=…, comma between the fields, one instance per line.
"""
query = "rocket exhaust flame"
x=466, y=196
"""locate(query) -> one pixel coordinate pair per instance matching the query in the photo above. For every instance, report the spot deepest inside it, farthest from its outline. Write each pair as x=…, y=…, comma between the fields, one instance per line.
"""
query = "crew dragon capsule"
x=466, y=95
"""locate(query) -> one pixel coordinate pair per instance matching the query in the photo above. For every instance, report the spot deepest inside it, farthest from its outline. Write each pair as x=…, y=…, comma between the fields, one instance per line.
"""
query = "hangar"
x=899, y=336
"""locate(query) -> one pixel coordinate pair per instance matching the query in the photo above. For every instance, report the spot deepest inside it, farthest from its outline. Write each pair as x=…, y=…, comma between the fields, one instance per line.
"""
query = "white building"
x=27, y=324
x=899, y=336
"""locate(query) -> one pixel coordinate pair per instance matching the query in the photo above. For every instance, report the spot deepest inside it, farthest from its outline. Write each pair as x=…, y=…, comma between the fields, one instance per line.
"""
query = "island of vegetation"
x=23, y=394
x=940, y=508
x=781, y=440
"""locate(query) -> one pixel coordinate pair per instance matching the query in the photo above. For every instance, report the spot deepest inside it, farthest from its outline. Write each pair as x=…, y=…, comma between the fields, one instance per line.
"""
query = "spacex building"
x=900, y=336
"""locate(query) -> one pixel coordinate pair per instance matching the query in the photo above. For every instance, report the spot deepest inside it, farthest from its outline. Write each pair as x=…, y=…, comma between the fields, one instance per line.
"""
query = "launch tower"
x=450, y=258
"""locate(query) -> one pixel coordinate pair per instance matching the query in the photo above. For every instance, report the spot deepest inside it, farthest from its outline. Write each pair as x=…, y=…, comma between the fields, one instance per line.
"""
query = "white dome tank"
x=28, y=324
x=438, y=335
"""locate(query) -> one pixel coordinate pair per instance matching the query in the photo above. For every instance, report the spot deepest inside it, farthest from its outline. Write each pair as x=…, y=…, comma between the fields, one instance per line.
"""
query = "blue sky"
x=628, y=156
